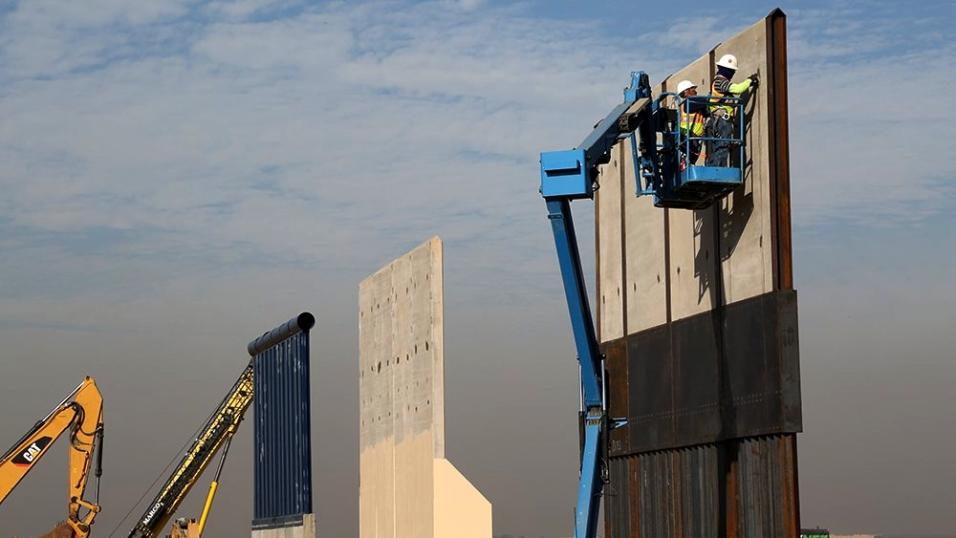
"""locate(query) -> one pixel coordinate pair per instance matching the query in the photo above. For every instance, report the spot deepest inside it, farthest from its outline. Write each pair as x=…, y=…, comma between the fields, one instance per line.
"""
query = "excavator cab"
x=674, y=174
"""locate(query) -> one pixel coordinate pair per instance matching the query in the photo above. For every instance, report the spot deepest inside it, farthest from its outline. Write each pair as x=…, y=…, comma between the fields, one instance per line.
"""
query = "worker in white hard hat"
x=692, y=119
x=721, y=122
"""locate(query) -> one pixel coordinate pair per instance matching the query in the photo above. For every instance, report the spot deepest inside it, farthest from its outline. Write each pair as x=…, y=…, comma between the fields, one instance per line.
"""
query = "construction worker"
x=721, y=122
x=692, y=113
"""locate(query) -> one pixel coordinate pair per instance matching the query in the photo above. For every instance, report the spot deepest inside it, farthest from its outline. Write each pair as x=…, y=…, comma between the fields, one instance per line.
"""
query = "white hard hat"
x=728, y=60
x=685, y=85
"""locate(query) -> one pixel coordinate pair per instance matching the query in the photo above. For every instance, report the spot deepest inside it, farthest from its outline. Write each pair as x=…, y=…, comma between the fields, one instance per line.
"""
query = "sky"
x=179, y=176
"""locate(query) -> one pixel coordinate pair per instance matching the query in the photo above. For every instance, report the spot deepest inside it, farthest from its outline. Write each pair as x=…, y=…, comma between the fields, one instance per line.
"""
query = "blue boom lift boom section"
x=572, y=174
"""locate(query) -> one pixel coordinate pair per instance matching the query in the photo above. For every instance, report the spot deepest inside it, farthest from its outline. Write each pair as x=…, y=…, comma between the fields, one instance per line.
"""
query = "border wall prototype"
x=697, y=317
x=282, y=445
x=407, y=489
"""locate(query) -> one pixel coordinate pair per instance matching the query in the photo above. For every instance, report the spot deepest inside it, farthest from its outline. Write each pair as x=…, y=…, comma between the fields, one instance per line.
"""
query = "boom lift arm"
x=82, y=413
x=219, y=430
x=566, y=176
x=572, y=174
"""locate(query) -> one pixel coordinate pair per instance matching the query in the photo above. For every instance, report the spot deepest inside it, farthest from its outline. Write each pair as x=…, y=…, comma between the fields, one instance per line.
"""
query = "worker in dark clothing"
x=692, y=120
x=721, y=122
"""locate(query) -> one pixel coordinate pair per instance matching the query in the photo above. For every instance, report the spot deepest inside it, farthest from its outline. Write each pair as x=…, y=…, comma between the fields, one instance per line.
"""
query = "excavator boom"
x=81, y=412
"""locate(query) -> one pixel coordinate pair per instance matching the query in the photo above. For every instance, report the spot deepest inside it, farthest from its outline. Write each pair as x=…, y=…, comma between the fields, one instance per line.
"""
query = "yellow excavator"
x=81, y=412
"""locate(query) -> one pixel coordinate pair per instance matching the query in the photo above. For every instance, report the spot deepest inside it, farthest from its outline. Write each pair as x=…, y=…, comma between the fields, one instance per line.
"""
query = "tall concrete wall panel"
x=735, y=240
x=609, y=207
x=401, y=390
x=698, y=323
x=645, y=276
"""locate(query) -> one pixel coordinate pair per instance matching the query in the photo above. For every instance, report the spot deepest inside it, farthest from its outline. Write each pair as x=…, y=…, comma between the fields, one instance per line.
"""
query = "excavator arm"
x=81, y=412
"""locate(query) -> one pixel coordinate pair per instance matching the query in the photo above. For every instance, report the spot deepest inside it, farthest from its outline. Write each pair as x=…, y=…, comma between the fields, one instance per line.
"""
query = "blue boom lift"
x=656, y=145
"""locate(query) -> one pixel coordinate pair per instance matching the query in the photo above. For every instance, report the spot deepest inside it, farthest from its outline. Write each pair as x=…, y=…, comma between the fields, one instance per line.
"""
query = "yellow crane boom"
x=217, y=431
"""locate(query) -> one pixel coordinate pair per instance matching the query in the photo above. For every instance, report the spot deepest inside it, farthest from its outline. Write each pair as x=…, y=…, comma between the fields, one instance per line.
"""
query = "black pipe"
x=302, y=322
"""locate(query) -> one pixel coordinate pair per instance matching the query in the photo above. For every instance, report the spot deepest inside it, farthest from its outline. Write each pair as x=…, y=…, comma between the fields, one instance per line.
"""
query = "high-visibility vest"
x=691, y=122
x=716, y=96
x=735, y=90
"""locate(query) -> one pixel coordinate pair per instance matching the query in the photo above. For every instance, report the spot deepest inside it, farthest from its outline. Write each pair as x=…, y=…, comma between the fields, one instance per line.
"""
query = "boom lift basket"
x=681, y=182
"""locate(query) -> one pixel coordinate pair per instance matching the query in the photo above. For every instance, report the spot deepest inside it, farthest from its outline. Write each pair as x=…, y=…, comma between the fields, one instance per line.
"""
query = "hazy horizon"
x=181, y=176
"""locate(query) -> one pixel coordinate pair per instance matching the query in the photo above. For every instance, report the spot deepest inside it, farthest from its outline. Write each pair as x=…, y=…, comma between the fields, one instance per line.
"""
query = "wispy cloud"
x=370, y=126
x=868, y=116
x=170, y=156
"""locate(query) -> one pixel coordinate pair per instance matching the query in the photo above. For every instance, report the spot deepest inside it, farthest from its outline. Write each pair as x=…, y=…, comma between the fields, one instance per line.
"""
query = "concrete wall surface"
x=661, y=265
x=305, y=530
x=403, y=477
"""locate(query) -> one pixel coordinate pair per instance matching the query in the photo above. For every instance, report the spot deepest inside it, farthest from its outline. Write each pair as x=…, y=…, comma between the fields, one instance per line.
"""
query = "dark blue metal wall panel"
x=282, y=446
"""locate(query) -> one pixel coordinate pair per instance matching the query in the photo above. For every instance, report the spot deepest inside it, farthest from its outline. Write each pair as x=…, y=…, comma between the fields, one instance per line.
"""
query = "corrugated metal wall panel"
x=616, y=496
x=737, y=489
x=678, y=493
x=282, y=446
x=766, y=486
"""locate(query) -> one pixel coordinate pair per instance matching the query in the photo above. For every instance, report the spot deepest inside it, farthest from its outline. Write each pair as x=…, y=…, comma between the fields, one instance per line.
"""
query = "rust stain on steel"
x=780, y=157
x=741, y=488
x=615, y=353
x=634, y=490
x=730, y=492
x=788, y=445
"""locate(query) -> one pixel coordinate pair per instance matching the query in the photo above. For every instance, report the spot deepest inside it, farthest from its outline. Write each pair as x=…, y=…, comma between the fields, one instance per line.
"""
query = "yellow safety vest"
x=691, y=122
x=735, y=89
x=716, y=97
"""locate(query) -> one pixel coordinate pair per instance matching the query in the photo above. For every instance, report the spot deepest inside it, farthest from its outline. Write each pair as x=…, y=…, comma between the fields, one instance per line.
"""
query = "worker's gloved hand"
x=755, y=80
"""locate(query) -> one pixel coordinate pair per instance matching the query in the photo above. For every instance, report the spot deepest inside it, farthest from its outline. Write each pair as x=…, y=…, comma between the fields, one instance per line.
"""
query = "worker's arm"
x=724, y=86
x=740, y=87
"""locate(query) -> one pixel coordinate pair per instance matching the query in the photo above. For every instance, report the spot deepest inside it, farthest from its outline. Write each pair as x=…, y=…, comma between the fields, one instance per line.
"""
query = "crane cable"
x=162, y=473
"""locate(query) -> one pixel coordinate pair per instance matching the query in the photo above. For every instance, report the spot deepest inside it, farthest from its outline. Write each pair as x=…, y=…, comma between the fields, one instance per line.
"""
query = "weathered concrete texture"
x=610, y=300
x=645, y=276
x=745, y=229
x=678, y=263
x=690, y=233
x=401, y=408
x=305, y=530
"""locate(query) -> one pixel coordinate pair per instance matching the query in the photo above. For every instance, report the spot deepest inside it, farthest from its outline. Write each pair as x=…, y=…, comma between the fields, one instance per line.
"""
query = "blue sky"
x=205, y=169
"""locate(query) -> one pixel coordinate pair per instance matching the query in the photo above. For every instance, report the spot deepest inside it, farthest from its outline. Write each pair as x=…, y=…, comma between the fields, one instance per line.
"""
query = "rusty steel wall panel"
x=615, y=356
x=616, y=497
x=766, y=487
x=685, y=503
x=742, y=488
x=706, y=378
